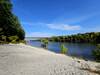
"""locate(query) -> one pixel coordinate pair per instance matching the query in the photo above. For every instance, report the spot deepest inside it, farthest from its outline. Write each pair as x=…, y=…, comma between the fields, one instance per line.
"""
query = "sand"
x=20, y=59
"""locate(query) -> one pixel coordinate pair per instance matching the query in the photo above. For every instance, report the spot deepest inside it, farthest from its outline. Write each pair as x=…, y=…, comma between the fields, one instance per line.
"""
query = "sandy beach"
x=22, y=59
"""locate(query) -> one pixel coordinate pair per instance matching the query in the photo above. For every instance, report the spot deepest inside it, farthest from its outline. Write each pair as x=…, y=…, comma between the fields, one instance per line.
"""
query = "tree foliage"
x=9, y=23
x=93, y=37
x=63, y=49
x=96, y=53
x=44, y=43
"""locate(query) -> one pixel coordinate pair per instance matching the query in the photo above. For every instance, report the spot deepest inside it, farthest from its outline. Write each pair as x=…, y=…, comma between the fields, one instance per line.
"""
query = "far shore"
x=21, y=59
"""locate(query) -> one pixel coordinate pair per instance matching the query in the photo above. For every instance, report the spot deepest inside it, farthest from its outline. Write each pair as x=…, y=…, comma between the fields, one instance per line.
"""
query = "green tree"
x=63, y=49
x=9, y=23
x=96, y=53
x=92, y=37
x=44, y=42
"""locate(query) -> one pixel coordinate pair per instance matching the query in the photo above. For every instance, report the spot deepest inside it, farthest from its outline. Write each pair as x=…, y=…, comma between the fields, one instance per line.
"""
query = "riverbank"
x=22, y=59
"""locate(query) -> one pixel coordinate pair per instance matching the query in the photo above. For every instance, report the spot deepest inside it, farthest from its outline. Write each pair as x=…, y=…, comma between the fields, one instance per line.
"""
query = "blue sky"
x=41, y=18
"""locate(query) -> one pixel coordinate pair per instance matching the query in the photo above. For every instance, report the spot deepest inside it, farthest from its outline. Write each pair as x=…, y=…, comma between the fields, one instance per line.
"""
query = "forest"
x=92, y=37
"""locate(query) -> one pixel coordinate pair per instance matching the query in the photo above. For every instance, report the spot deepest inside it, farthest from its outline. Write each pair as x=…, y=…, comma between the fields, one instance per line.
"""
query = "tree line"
x=92, y=37
x=10, y=27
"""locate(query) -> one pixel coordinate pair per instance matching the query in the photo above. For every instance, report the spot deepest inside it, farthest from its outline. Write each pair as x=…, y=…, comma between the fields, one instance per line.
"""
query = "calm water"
x=82, y=50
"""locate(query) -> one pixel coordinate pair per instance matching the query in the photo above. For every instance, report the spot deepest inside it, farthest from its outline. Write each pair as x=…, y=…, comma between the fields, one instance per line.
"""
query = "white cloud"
x=64, y=27
x=54, y=26
x=39, y=34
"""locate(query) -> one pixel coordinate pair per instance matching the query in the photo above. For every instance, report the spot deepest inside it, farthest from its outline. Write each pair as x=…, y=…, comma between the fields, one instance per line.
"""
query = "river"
x=80, y=50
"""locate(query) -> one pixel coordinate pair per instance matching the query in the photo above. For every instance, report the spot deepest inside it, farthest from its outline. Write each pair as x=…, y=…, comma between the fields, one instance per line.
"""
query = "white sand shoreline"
x=23, y=59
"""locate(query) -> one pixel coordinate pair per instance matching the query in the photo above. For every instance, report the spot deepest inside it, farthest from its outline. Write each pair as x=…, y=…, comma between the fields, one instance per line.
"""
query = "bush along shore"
x=96, y=53
x=11, y=39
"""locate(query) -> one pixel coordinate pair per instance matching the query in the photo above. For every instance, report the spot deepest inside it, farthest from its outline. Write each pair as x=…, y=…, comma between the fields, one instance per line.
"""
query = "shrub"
x=13, y=42
x=44, y=43
x=96, y=53
x=63, y=49
x=13, y=39
x=22, y=41
x=3, y=38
